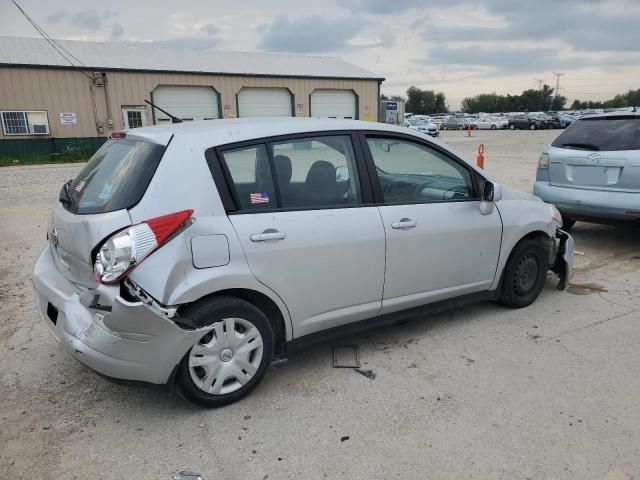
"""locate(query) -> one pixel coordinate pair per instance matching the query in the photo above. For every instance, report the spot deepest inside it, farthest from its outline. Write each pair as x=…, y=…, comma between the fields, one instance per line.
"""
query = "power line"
x=54, y=44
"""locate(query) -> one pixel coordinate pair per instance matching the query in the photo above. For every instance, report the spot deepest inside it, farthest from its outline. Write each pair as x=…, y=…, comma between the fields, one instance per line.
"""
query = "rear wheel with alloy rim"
x=525, y=273
x=532, y=126
x=228, y=361
x=512, y=127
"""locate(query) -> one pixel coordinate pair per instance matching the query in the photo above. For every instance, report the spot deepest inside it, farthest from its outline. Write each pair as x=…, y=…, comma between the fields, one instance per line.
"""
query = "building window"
x=134, y=118
x=25, y=123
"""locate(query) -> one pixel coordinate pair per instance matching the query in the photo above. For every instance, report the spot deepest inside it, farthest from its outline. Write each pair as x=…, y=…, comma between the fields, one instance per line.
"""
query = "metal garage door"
x=264, y=102
x=333, y=104
x=187, y=103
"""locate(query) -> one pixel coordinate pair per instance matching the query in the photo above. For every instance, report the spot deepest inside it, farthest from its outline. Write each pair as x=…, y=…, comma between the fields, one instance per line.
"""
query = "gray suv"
x=192, y=254
x=591, y=172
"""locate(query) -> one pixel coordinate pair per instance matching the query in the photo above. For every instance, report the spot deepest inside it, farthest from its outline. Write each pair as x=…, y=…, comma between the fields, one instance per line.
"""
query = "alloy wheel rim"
x=227, y=357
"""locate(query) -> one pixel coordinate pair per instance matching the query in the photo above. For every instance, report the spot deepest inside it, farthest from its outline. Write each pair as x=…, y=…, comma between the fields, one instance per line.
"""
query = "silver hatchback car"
x=194, y=254
x=591, y=172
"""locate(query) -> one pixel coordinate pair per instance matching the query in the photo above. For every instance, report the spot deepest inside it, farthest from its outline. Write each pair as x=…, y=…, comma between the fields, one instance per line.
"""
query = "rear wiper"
x=586, y=146
x=64, y=196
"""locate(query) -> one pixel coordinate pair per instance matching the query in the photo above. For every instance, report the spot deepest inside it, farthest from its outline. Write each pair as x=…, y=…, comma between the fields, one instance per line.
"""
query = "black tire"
x=567, y=223
x=493, y=127
x=512, y=127
x=532, y=126
x=525, y=273
x=209, y=311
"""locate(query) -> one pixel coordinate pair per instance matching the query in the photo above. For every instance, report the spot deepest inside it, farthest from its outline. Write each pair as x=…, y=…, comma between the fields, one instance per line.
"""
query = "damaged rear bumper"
x=113, y=336
x=563, y=257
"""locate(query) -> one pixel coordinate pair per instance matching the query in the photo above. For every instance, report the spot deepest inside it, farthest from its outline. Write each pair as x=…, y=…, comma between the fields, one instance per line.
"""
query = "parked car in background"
x=194, y=252
x=491, y=123
x=591, y=172
x=426, y=126
x=542, y=120
x=525, y=121
x=456, y=123
x=566, y=120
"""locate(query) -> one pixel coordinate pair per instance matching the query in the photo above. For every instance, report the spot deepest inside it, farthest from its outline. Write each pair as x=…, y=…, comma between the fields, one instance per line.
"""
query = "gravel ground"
x=547, y=392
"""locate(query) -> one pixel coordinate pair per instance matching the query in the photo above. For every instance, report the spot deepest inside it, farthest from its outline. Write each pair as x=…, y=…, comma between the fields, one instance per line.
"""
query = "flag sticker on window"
x=80, y=186
x=259, y=197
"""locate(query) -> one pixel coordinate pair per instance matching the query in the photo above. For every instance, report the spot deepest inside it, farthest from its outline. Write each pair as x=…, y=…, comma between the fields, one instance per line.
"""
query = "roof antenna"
x=173, y=118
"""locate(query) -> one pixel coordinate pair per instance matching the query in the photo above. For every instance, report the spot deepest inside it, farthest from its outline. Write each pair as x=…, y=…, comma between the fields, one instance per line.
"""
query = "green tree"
x=425, y=102
x=558, y=103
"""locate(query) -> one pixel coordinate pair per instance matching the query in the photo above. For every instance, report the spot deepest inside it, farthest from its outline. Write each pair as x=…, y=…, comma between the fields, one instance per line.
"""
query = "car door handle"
x=268, y=235
x=404, y=224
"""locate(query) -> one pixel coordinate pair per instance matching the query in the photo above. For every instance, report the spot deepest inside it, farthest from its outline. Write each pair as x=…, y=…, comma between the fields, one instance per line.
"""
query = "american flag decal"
x=259, y=197
x=80, y=186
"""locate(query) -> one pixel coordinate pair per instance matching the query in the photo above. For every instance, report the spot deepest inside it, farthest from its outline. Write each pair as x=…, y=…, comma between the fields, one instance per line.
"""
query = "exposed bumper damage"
x=131, y=340
x=562, y=264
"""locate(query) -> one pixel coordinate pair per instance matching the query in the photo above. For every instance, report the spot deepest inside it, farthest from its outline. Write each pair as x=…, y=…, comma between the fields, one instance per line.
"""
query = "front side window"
x=316, y=172
x=251, y=177
x=414, y=173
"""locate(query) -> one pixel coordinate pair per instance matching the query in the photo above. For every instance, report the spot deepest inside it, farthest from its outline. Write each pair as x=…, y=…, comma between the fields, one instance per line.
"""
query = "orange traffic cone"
x=480, y=157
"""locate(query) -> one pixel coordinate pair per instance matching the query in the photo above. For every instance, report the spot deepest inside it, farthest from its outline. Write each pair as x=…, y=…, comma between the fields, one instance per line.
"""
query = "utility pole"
x=557, y=75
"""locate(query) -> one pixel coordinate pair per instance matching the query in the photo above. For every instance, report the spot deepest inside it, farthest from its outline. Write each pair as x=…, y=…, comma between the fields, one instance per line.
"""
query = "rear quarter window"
x=115, y=178
x=602, y=134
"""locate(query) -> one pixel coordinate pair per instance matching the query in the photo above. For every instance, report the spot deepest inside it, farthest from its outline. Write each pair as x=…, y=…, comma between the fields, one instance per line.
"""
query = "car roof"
x=222, y=132
x=625, y=114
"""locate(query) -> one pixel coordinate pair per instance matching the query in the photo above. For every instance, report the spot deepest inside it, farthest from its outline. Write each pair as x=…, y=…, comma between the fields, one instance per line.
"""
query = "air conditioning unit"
x=40, y=129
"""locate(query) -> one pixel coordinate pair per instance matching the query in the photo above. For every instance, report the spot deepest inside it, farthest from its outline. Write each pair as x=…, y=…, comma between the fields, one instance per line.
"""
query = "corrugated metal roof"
x=127, y=56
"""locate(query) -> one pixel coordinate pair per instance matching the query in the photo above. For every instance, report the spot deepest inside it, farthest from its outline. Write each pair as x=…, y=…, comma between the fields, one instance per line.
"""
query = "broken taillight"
x=127, y=248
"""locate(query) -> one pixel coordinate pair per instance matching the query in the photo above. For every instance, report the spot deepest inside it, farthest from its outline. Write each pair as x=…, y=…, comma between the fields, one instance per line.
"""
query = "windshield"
x=603, y=134
x=116, y=177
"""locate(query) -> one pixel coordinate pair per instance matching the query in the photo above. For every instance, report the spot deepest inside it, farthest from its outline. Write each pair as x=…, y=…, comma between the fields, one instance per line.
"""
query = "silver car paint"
x=442, y=232
x=330, y=268
x=151, y=348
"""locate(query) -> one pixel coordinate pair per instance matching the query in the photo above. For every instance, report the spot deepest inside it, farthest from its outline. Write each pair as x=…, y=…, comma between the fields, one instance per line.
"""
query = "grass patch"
x=68, y=156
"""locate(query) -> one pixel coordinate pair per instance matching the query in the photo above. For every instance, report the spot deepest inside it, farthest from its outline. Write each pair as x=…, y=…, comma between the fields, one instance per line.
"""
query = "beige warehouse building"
x=48, y=105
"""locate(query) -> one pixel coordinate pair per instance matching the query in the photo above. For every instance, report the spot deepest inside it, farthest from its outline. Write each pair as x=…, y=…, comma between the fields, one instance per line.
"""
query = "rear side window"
x=250, y=173
x=601, y=134
x=115, y=178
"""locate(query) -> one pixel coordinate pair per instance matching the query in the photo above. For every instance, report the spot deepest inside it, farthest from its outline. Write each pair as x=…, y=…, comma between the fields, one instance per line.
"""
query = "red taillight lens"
x=118, y=134
x=127, y=248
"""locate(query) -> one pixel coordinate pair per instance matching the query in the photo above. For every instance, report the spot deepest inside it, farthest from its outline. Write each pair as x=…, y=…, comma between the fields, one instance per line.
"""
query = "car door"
x=439, y=243
x=308, y=226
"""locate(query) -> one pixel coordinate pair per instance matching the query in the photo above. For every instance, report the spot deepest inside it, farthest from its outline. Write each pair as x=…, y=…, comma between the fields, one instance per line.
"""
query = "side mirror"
x=492, y=192
x=342, y=173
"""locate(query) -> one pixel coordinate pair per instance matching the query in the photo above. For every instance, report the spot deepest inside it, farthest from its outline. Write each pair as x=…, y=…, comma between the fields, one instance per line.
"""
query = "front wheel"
x=230, y=360
x=524, y=274
x=493, y=127
x=532, y=126
x=512, y=127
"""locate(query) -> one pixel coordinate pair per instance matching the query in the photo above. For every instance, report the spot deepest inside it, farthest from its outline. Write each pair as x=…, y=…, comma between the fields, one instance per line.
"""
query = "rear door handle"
x=404, y=224
x=267, y=235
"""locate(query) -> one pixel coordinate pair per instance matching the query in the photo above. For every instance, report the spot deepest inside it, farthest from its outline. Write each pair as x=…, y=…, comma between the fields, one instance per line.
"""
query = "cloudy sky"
x=461, y=47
